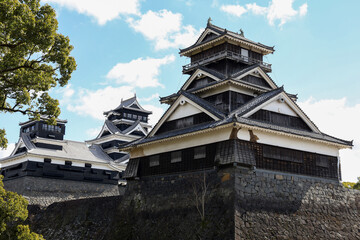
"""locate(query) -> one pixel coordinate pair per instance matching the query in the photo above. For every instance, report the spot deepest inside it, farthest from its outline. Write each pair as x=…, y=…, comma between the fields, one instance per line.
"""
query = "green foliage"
x=348, y=184
x=33, y=59
x=352, y=185
x=13, y=211
x=357, y=185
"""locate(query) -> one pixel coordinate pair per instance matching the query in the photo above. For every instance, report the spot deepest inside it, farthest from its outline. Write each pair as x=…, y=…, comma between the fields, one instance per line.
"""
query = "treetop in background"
x=33, y=59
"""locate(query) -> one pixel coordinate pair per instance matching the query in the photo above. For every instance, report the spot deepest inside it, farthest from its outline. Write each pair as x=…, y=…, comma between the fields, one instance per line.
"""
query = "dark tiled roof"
x=204, y=104
x=127, y=105
x=129, y=129
x=122, y=159
x=212, y=72
x=179, y=132
x=132, y=168
x=26, y=139
x=235, y=75
x=112, y=127
x=319, y=136
x=98, y=152
x=222, y=32
x=245, y=70
x=253, y=103
x=233, y=151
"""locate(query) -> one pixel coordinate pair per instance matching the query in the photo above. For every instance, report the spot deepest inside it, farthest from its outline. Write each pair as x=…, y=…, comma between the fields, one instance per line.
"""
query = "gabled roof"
x=42, y=118
x=255, y=67
x=128, y=104
x=223, y=34
x=315, y=135
x=257, y=103
x=194, y=100
x=25, y=141
x=215, y=75
x=136, y=125
x=70, y=150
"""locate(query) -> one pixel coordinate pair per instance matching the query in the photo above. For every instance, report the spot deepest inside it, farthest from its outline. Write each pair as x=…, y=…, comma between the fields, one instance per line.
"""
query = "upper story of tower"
x=40, y=128
x=225, y=51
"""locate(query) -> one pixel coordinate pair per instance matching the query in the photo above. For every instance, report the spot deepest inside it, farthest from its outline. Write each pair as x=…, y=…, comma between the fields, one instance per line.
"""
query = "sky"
x=123, y=47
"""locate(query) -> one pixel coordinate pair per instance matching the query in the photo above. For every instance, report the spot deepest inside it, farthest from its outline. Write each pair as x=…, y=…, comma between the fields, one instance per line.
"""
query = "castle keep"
x=230, y=112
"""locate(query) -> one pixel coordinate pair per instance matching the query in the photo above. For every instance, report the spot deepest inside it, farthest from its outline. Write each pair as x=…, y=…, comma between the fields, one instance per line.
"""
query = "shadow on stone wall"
x=153, y=208
x=239, y=204
x=272, y=205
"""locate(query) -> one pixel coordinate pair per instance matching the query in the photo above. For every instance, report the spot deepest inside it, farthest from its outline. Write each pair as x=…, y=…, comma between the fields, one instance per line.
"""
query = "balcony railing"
x=226, y=54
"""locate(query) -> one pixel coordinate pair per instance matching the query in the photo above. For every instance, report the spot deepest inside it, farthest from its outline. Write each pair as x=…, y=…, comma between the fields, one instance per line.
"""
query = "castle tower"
x=125, y=123
x=46, y=168
x=230, y=112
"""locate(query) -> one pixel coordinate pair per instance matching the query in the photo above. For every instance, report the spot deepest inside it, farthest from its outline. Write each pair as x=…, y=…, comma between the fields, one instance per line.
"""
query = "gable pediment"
x=282, y=110
x=197, y=76
x=256, y=77
x=182, y=108
x=206, y=35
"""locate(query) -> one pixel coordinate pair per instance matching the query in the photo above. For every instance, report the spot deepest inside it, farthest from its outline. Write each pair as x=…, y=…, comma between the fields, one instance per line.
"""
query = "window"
x=176, y=157
x=139, y=117
x=200, y=152
x=154, y=161
x=245, y=54
x=144, y=119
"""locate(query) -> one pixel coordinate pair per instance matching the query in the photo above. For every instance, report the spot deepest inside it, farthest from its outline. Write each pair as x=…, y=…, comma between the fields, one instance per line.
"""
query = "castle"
x=230, y=112
x=47, y=168
x=233, y=157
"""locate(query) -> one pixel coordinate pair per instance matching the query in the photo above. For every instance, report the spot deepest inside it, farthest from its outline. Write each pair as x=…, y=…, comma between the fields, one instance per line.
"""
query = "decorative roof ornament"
x=241, y=32
x=209, y=21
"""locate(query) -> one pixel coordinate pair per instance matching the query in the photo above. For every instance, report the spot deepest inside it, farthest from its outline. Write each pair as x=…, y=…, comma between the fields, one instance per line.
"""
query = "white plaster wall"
x=184, y=111
x=186, y=142
x=279, y=107
x=290, y=142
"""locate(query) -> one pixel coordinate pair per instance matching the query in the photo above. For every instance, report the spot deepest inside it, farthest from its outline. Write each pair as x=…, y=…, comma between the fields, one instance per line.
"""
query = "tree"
x=357, y=185
x=33, y=59
x=352, y=185
x=13, y=212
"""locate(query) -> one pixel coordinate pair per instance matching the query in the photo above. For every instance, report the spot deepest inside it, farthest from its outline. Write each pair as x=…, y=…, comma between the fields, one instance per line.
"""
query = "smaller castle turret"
x=39, y=128
x=125, y=123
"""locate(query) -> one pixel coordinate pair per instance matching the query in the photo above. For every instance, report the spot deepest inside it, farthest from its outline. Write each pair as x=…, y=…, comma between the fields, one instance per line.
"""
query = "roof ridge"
x=256, y=101
x=203, y=103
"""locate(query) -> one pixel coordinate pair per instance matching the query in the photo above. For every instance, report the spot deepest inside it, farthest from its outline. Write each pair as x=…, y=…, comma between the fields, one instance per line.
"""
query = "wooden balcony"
x=226, y=54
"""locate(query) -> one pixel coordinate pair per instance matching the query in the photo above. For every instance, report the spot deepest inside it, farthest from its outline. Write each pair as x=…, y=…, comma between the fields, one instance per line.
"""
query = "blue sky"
x=127, y=46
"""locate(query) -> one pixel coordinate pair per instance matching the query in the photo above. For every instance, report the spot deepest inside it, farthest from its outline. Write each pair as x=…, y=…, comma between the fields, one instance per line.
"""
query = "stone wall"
x=274, y=205
x=240, y=203
x=45, y=191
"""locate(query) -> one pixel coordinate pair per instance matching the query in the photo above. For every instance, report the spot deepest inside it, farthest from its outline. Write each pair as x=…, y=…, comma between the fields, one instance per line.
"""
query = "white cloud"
x=257, y=10
x=152, y=97
x=94, y=103
x=235, y=10
x=93, y=132
x=6, y=152
x=303, y=9
x=139, y=72
x=278, y=10
x=103, y=11
x=336, y=118
x=165, y=29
